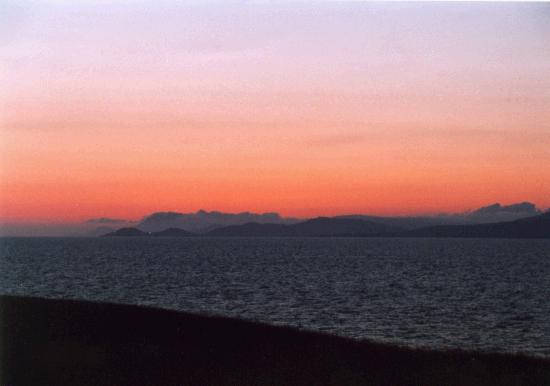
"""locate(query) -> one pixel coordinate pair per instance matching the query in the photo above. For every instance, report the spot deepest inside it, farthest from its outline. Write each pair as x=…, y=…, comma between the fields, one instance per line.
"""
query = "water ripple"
x=479, y=294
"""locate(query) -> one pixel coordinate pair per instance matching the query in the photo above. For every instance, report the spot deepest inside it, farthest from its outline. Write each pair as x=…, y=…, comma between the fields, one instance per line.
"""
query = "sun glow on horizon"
x=124, y=109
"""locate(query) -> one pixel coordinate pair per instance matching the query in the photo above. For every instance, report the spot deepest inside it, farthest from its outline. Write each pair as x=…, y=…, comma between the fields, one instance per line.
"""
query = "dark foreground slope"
x=53, y=342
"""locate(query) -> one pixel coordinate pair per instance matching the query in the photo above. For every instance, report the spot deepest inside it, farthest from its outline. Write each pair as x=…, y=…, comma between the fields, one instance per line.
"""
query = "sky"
x=123, y=108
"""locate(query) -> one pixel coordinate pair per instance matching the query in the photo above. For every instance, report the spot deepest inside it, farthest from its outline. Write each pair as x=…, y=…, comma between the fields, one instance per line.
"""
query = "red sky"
x=121, y=110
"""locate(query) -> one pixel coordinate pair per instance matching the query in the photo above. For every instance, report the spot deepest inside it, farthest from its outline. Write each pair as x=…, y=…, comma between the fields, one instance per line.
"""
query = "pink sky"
x=120, y=109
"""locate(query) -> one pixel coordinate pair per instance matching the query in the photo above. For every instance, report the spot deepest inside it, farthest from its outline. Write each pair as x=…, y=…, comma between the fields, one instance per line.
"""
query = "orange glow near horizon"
x=364, y=108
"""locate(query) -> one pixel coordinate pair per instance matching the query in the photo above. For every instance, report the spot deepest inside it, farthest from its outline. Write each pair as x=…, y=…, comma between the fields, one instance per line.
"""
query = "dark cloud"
x=203, y=220
x=497, y=213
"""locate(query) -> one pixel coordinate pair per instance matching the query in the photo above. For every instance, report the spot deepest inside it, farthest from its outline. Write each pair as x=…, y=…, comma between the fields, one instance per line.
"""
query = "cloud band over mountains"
x=203, y=221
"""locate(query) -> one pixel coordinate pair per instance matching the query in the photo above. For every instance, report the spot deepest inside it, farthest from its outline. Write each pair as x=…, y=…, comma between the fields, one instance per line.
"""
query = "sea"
x=484, y=294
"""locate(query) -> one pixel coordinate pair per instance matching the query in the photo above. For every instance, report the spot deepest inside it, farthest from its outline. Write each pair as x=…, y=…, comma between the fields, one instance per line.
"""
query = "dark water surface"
x=483, y=294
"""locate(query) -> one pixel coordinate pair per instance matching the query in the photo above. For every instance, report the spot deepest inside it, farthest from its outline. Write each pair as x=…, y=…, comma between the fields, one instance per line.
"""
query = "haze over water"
x=462, y=293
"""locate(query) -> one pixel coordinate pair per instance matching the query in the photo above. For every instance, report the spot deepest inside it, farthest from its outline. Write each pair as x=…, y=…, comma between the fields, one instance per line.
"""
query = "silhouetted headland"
x=62, y=342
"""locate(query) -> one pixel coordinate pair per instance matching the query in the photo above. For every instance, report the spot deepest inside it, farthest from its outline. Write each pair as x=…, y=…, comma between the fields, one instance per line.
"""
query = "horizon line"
x=113, y=219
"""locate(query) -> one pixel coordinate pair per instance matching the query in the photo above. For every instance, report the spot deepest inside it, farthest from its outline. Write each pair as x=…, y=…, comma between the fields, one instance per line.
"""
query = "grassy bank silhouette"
x=63, y=342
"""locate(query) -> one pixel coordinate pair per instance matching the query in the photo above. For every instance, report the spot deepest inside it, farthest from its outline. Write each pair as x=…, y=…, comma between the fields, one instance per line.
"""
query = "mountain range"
x=531, y=227
x=204, y=222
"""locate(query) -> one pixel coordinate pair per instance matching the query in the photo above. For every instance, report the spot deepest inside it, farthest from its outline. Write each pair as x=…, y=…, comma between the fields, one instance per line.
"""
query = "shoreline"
x=51, y=341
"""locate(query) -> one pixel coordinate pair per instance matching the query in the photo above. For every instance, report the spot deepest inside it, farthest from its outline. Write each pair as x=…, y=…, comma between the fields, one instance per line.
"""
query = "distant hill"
x=488, y=214
x=133, y=232
x=320, y=226
x=531, y=227
x=173, y=232
x=102, y=225
x=252, y=229
x=413, y=222
x=126, y=232
x=202, y=222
